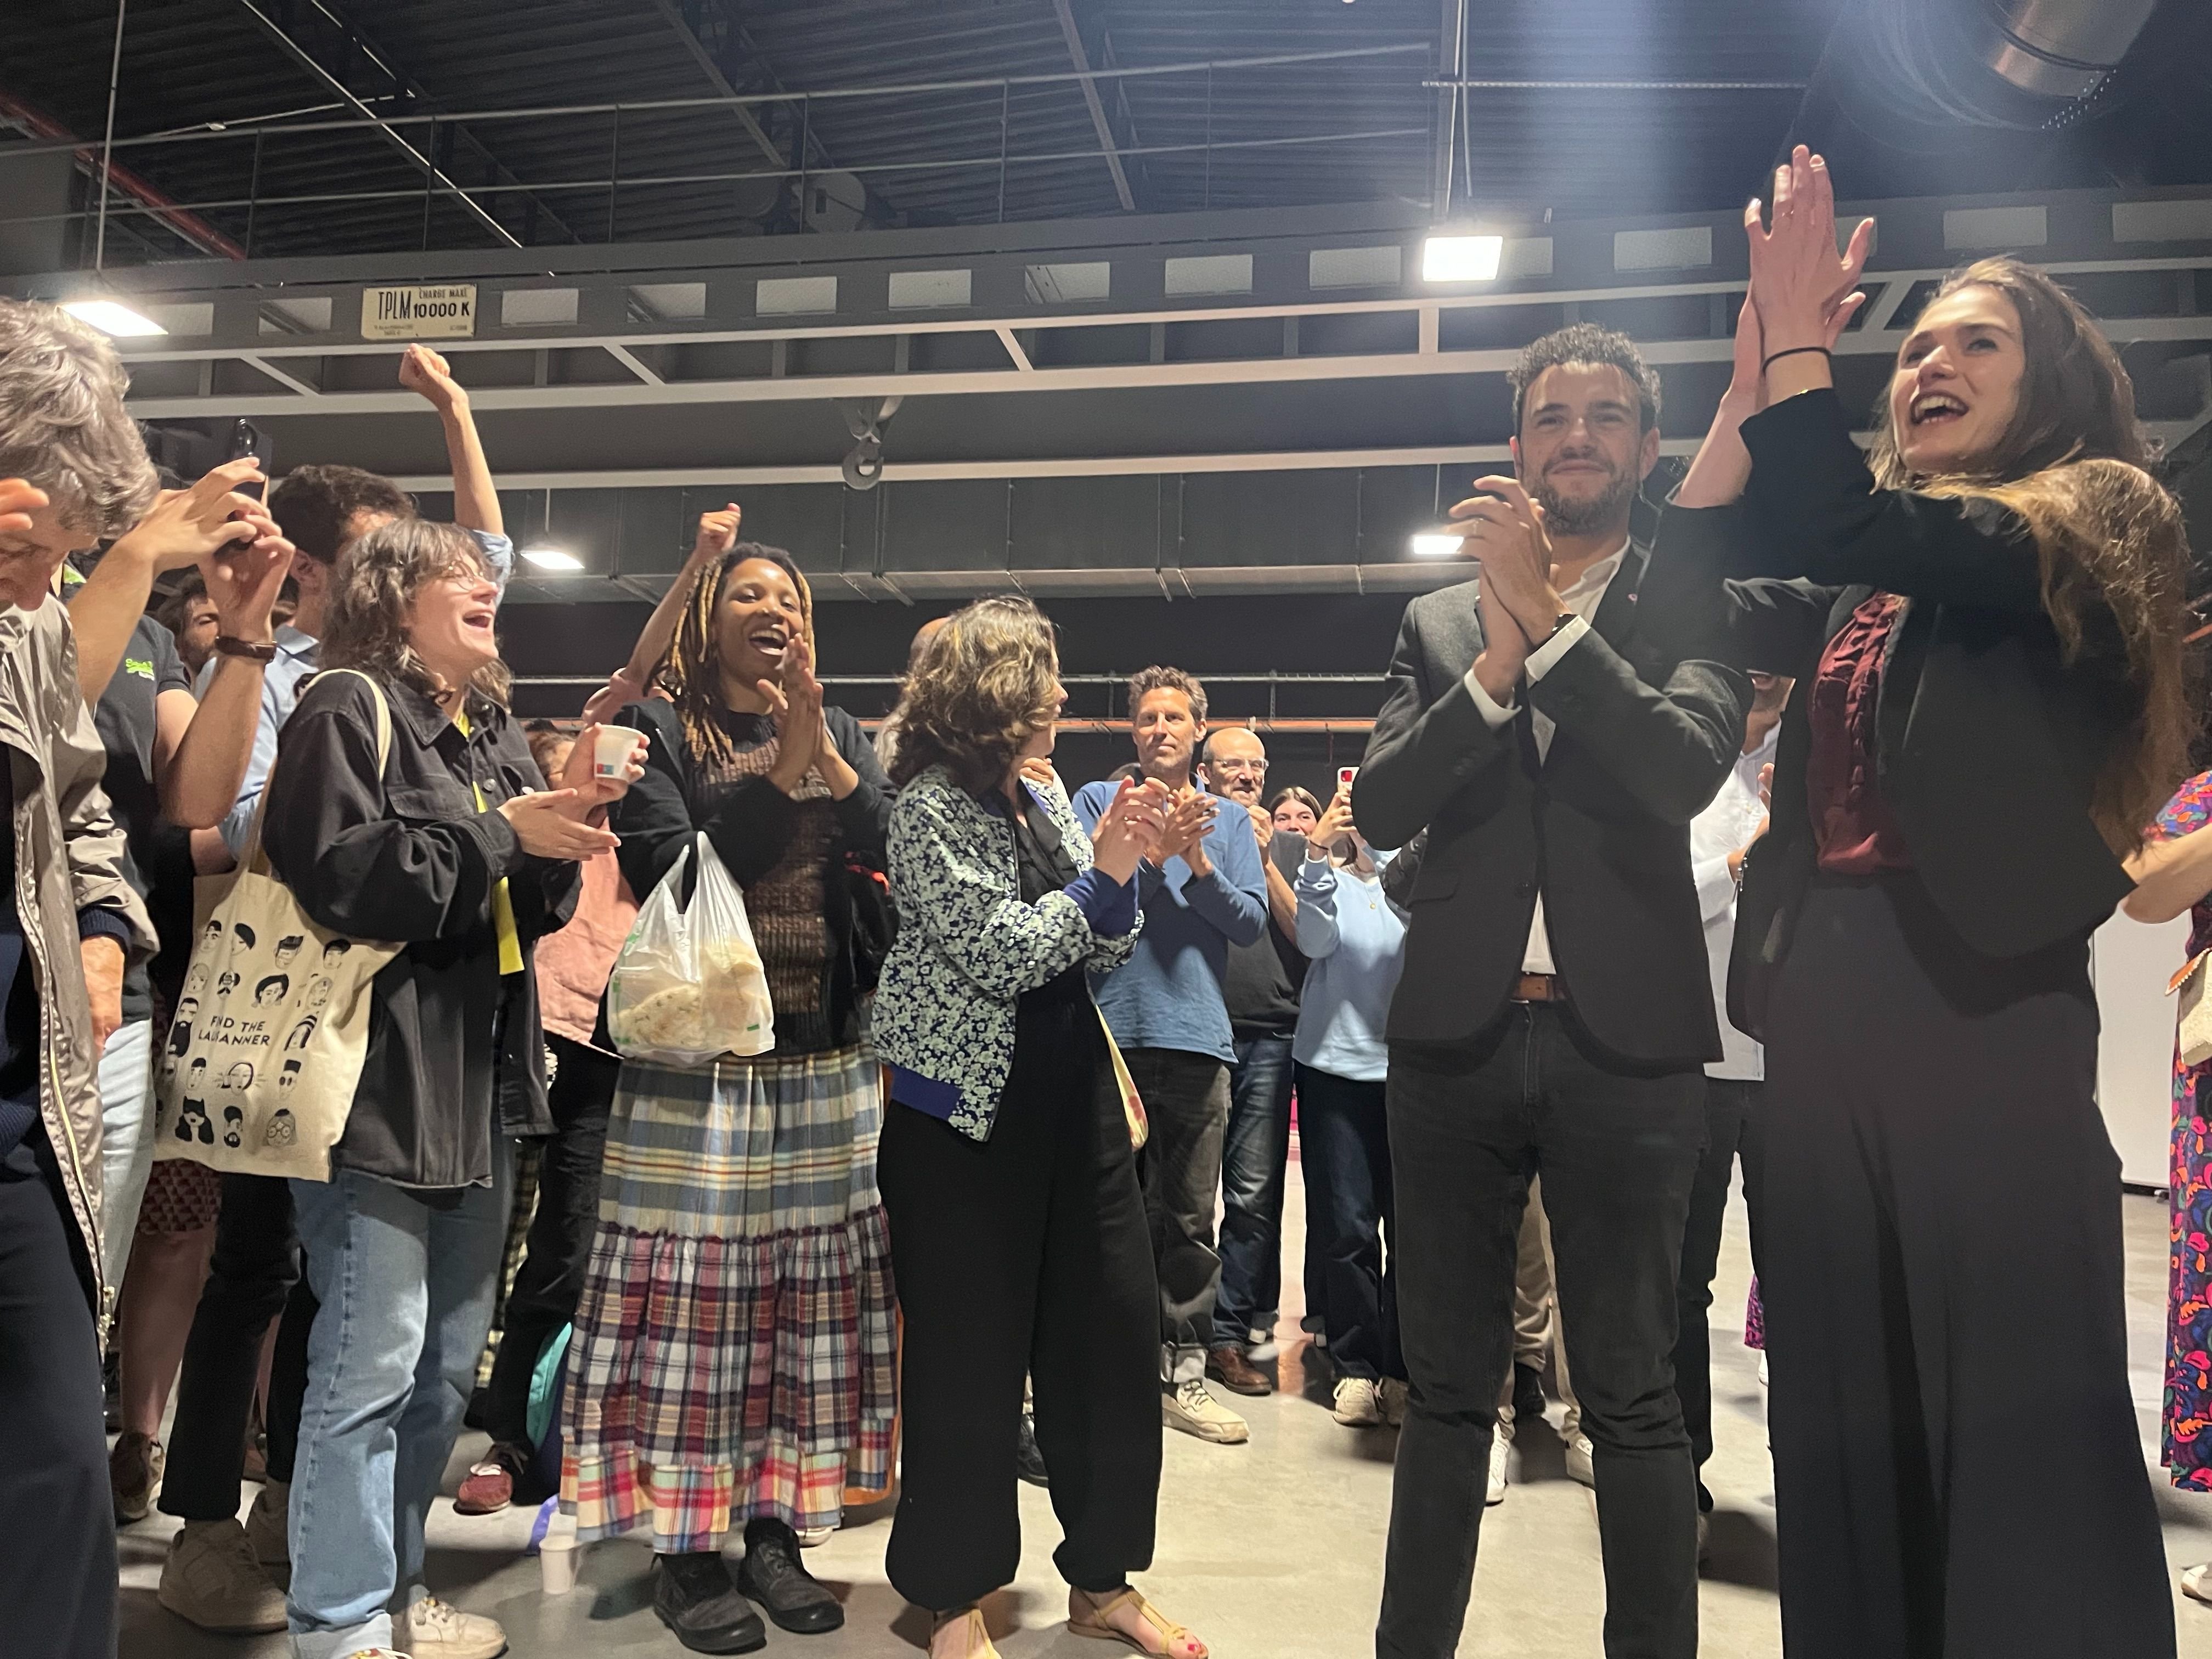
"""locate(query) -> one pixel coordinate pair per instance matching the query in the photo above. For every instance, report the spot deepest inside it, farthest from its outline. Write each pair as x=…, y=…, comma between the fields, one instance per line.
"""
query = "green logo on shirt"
x=143, y=668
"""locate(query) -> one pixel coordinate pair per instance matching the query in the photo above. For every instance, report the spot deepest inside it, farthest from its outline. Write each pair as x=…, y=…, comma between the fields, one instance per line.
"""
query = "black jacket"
x=1988, y=743
x=1602, y=824
x=455, y=1053
x=749, y=823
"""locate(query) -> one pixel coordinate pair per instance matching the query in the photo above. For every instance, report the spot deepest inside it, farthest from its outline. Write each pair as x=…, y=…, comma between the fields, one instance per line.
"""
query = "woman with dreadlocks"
x=733, y=1350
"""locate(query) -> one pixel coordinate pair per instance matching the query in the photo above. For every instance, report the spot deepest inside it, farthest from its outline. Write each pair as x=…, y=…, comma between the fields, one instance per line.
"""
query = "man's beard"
x=1585, y=517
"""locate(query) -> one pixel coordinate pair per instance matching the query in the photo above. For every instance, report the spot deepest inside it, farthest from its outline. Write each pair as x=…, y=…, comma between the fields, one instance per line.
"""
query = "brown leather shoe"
x=1229, y=1367
x=486, y=1490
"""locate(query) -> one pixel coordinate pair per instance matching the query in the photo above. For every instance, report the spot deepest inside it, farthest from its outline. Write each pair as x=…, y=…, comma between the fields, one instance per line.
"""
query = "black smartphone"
x=248, y=442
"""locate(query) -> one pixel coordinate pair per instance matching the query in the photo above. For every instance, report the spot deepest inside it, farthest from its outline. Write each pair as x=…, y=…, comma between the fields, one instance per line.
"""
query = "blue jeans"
x=1344, y=1137
x=126, y=1141
x=1252, y=1162
x=406, y=1280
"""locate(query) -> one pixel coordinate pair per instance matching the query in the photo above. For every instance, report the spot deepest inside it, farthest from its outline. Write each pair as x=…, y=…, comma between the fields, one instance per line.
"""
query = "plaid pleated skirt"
x=735, y=1347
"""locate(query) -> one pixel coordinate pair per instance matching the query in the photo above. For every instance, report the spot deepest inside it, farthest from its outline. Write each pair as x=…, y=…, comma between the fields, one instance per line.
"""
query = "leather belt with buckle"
x=1540, y=988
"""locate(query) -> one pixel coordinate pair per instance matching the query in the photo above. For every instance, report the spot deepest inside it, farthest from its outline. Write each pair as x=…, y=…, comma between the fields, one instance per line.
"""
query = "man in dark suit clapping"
x=1555, y=1009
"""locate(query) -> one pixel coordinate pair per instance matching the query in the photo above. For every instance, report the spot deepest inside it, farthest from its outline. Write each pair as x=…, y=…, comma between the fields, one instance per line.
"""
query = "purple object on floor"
x=546, y=1512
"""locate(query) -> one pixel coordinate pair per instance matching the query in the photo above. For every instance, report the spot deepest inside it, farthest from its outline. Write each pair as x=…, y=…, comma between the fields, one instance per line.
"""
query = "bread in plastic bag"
x=688, y=987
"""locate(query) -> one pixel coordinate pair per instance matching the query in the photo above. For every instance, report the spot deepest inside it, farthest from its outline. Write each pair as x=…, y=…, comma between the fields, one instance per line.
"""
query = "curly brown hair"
x=692, y=676
x=372, y=588
x=2113, y=548
x=988, y=684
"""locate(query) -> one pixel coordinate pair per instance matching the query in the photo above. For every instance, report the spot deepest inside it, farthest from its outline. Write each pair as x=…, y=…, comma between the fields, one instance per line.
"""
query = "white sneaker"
x=209, y=1578
x=1192, y=1409
x=266, y=1522
x=1501, y=1453
x=1357, y=1406
x=2197, y=1583
x=1261, y=1346
x=1393, y=1395
x=813, y=1538
x=435, y=1630
x=1580, y=1466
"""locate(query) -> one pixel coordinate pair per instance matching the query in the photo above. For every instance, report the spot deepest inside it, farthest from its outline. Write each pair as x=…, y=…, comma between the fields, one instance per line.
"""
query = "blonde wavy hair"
x=373, y=591
x=63, y=426
x=2073, y=463
x=987, y=682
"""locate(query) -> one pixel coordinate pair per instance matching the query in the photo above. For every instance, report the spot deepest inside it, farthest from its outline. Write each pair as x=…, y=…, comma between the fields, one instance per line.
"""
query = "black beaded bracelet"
x=1796, y=351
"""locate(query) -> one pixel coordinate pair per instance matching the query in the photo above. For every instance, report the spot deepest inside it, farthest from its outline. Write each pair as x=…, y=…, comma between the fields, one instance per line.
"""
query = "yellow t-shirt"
x=503, y=901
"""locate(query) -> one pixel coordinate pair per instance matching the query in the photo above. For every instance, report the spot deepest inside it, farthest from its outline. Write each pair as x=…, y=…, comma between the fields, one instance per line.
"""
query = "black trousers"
x=1956, y=1461
x=252, y=1276
x=559, y=1248
x=1344, y=1138
x=1617, y=1153
x=58, y=1566
x=1027, y=1252
x=1186, y=1097
x=1731, y=1129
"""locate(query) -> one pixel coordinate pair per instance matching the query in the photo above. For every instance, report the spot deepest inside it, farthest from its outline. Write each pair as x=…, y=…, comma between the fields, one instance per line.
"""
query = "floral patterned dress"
x=2188, y=1453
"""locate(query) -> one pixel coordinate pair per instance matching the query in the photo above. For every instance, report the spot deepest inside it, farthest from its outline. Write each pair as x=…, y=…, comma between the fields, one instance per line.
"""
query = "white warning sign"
x=447, y=312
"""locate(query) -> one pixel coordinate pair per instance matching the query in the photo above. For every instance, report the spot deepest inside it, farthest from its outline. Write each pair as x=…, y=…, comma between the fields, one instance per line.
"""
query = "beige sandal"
x=1175, y=1642
x=977, y=1631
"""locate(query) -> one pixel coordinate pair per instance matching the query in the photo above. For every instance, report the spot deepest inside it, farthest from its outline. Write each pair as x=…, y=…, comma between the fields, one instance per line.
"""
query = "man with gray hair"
x=72, y=471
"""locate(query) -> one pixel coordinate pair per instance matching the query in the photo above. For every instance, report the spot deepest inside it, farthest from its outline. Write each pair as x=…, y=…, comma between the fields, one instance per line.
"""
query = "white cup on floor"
x=558, y=1556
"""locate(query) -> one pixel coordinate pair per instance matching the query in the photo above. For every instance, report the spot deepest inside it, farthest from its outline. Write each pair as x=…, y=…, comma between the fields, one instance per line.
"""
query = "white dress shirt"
x=1583, y=599
x=1719, y=830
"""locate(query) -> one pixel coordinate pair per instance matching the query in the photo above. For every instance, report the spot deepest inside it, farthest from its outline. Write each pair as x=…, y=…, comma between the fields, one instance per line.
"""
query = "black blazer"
x=1989, y=744
x=1602, y=824
x=455, y=1054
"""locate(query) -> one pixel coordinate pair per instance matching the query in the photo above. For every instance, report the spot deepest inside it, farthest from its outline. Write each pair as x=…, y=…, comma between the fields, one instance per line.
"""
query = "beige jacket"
x=69, y=857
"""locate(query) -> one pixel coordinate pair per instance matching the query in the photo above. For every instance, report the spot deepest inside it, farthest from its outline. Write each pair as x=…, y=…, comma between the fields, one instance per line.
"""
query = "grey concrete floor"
x=1272, y=1549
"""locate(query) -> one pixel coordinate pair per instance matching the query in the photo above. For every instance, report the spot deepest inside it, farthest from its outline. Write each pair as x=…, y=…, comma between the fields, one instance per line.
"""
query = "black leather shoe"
x=773, y=1576
x=1029, y=1461
x=1528, y=1394
x=695, y=1598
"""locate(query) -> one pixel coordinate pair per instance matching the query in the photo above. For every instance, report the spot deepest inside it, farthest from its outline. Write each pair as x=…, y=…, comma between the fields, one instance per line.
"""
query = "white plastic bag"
x=689, y=989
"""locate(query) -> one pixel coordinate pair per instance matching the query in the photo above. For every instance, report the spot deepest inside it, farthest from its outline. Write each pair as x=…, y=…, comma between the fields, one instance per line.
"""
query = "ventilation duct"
x=2058, y=48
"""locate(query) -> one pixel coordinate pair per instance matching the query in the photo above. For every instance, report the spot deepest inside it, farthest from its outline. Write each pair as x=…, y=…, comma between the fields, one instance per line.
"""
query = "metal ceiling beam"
x=35, y=122
x=365, y=117
x=1081, y=59
x=306, y=60
x=1257, y=371
x=699, y=54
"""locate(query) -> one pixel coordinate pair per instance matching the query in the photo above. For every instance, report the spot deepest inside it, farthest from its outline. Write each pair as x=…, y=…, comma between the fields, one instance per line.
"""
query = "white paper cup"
x=612, y=749
x=557, y=1559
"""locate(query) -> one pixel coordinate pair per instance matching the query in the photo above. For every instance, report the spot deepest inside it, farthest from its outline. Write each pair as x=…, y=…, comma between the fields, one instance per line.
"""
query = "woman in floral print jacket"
x=1019, y=1237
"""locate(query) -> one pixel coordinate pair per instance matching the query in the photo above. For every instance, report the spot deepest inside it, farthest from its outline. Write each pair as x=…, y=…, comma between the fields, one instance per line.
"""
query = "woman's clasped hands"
x=569, y=823
x=1130, y=829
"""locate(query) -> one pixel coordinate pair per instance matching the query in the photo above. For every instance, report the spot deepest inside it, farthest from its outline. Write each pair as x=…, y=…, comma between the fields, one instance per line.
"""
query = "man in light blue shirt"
x=1206, y=892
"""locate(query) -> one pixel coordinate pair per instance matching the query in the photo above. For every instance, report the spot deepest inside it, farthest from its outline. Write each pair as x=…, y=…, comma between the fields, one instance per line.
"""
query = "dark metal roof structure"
x=1037, y=109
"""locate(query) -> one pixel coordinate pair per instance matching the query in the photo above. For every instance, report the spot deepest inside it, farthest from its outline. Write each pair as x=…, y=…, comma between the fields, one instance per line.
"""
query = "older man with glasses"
x=1261, y=991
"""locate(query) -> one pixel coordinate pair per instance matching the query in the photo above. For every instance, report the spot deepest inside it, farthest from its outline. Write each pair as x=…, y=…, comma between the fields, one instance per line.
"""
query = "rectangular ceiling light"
x=110, y=318
x=552, y=558
x=1437, y=544
x=1460, y=258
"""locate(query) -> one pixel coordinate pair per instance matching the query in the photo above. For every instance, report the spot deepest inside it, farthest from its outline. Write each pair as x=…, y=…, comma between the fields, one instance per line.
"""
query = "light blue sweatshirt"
x=1356, y=941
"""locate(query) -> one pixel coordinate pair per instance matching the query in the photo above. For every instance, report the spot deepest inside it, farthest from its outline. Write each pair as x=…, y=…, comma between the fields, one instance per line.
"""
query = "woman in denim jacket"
x=1018, y=1236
